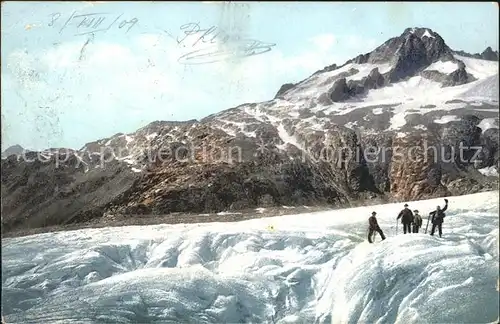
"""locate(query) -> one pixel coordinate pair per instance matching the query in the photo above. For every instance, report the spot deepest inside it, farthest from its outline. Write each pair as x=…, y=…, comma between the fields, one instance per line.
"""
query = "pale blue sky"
x=56, y=94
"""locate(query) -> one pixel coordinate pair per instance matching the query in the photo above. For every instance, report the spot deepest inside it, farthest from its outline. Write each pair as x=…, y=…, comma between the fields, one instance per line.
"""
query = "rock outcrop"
x=415, y=172
x=458, y=77
x=488, y=54
x=342, y=90
x=283, y=89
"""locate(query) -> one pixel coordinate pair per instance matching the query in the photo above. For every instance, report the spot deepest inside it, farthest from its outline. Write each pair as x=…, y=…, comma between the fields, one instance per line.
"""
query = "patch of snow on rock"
x=365, y=69
x=446, y=119
x=351, y=125
x=489, y=171
x=487, y=123
x=287, y=139
x=443, y=67
x=427, y=34
x=129, y=139
x=227, y=213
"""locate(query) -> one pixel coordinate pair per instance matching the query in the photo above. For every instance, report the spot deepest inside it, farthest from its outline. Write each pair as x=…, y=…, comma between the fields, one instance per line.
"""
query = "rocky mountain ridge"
x=409, y=120
x=409, y=54
x=488, y=54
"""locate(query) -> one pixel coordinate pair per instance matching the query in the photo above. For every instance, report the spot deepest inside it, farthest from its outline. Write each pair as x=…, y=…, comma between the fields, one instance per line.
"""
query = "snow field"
x=306, y=268
x=443, y=67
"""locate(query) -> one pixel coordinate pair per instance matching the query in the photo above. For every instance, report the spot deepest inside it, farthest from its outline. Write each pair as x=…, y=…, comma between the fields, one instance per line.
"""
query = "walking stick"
x=428, y=219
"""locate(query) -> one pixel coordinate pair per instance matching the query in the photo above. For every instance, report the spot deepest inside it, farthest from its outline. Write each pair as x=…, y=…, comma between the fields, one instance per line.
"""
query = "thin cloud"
x=324, y=42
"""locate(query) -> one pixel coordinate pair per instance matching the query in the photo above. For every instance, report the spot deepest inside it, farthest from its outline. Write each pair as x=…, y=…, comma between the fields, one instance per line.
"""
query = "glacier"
x=305, y=268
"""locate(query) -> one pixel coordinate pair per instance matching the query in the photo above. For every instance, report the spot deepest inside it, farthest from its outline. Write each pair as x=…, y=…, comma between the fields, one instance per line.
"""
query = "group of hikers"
x=412, y=221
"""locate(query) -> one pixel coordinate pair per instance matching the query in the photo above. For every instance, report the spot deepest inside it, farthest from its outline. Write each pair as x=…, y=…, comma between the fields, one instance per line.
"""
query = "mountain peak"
x=489, y=54
x=420, y=32
x=404, y=56
x=13, y=150
x=412, y=51
x=415, y=43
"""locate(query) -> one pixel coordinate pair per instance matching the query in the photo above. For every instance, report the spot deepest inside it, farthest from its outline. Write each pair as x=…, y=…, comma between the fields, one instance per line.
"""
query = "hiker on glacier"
x=406, y=219
x=373, y=227
x=438, y=218
x=417, y=221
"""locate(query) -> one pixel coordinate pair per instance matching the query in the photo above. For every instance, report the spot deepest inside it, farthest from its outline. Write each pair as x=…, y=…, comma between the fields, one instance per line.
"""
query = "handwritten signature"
x=91, y=23
x=218, y=53
x=210, y=35
x=225, y=47
x=222, y=45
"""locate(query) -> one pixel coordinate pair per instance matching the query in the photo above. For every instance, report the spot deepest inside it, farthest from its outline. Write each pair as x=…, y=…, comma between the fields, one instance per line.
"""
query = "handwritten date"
x=91, y=23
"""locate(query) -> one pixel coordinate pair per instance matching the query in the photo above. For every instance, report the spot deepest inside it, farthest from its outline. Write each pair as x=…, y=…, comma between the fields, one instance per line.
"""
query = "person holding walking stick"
x=438, y=218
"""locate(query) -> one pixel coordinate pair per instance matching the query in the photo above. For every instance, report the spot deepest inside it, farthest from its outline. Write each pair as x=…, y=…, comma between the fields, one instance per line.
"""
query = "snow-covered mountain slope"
x=305, y=108
x=306, y=268
x=383, y=105
x=289, y=150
